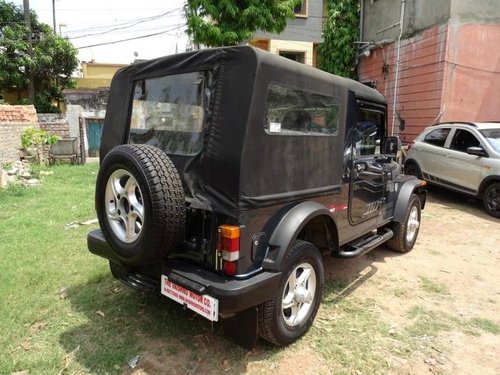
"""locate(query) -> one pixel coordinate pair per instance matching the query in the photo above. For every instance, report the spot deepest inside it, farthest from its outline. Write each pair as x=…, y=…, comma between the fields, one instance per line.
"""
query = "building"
x=96, y=75
x=86, y=104
x=449, y=60
x=302, y=35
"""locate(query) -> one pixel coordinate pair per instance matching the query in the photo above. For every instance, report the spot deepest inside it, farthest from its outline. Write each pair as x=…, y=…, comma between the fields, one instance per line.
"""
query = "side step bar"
x=141, y=283
x=365, y=245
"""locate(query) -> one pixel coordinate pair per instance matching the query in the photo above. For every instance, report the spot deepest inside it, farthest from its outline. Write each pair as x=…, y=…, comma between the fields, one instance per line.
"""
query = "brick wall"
x=60, y=129
x=13, y=121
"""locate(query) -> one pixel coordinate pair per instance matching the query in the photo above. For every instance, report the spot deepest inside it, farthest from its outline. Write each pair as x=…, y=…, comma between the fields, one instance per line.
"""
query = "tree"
x=52, y=59
x=337, y=53
x=230, y=22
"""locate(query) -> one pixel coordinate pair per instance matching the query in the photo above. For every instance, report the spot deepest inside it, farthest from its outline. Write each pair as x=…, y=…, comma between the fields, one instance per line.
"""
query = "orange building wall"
x=449, y=72
x=472, y=77
x=421, y=76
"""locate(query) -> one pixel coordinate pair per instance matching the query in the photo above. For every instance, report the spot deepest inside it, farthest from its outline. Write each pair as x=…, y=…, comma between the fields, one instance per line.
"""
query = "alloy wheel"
x=299, y=293
x=124, y=206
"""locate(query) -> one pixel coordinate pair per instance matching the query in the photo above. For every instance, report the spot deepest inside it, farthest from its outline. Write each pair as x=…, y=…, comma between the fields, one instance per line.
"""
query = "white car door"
x=430, y=152
x=461, y=170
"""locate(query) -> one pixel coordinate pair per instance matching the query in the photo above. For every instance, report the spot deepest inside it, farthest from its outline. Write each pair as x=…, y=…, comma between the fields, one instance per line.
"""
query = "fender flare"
x=404, y=195
x=288, y=228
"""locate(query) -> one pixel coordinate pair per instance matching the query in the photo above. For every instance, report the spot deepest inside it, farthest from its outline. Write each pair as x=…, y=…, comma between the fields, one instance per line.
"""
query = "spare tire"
x=140, y=203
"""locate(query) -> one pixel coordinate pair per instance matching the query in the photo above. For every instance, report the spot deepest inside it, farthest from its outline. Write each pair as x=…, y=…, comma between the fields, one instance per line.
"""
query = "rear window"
x=168, y=112
x=291, y=111
x=437, y=137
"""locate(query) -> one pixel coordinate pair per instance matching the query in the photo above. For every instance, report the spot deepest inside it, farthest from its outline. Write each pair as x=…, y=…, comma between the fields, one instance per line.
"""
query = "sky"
x=91, y=22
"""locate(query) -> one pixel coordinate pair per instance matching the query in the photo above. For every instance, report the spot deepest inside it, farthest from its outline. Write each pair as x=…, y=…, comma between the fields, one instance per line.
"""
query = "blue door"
x=94, y=133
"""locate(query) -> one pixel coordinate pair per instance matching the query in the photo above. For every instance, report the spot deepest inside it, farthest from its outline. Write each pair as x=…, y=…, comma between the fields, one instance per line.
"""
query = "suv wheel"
x=405, y=233
x=491, y=199
x=140, y=203
x=286, y=317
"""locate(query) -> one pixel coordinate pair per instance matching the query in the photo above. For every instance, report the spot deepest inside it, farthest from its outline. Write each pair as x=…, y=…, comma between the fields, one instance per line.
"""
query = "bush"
x=35, y=144
x=32, y=137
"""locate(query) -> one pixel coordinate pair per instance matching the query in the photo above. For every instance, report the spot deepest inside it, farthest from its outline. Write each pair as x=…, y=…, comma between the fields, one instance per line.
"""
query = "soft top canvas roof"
x=234, y=169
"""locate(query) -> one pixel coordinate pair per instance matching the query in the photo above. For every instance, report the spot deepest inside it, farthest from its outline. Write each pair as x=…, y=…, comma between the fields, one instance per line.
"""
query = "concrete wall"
x=419, y=15
x=55, y=124
x=303, y=29
x=13, y=121
x=92, y=83
x=88, y=99
x=476, y=12
x=98, y=70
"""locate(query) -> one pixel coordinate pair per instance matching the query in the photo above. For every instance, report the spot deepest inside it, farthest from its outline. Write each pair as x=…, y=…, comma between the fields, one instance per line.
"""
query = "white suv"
x=462, y=156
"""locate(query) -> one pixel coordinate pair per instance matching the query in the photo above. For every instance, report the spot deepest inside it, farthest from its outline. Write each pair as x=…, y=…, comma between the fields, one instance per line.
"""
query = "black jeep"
x=225, y=173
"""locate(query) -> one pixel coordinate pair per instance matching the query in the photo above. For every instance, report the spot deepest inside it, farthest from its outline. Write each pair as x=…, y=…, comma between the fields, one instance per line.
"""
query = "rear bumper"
x=234, y=295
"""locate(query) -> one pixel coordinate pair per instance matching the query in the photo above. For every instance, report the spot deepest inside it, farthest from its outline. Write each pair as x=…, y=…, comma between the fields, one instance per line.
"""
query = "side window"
x=463, y=139
x=291, y=111
x=437, y=137
x=367, y=133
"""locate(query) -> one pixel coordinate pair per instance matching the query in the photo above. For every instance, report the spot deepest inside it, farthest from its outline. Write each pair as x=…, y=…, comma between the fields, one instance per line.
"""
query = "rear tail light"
x=229, y=268
x=411, y=143
x=228, y=245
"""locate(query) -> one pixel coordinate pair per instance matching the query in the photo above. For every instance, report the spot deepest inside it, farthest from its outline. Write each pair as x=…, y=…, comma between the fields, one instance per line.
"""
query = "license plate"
x=204, y=305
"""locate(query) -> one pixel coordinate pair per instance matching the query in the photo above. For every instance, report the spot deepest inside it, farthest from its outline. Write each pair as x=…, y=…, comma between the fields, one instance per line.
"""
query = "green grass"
x=427, y=322
x=433, y=287
x=45, y=334
x=485, y=325
x=38, y=258
x=349, y=332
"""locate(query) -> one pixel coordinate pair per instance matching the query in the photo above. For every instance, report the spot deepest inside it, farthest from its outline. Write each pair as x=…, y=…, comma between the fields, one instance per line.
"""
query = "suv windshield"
x=167, y=112
x=493, y=137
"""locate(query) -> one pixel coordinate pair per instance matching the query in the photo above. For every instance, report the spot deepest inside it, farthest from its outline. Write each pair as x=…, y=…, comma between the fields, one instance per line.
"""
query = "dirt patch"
x=437, y=309
x=450, y=278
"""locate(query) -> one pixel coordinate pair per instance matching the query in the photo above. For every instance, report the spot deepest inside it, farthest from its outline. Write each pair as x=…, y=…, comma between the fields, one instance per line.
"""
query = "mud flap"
x=242, y=328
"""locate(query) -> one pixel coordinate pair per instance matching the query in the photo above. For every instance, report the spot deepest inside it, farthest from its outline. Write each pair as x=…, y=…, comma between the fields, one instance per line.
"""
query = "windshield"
x=168, y=112
x=493, y=137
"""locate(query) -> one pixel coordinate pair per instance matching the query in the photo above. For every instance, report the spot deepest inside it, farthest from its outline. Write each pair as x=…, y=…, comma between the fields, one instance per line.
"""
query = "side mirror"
x=478, y=151
x=392, y=145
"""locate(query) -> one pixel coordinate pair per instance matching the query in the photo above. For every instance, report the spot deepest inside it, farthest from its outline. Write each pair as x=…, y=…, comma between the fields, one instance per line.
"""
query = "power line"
x=129, y=23
x=134, y=38
x=128, y=26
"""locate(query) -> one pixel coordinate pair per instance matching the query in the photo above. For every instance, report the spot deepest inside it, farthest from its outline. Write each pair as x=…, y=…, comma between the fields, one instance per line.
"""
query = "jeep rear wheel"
x=405, y=233
x=286, y=317
x=140, y=203
x=491, y=199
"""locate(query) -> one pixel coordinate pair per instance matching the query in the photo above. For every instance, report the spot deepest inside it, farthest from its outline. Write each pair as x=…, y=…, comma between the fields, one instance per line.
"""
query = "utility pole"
x=54, y=15
x=29, y=72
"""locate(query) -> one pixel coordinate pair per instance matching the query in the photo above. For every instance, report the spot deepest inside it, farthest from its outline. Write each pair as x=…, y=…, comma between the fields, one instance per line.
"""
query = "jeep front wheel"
x=140, y=203
x=405, y=233
x=286, y=317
